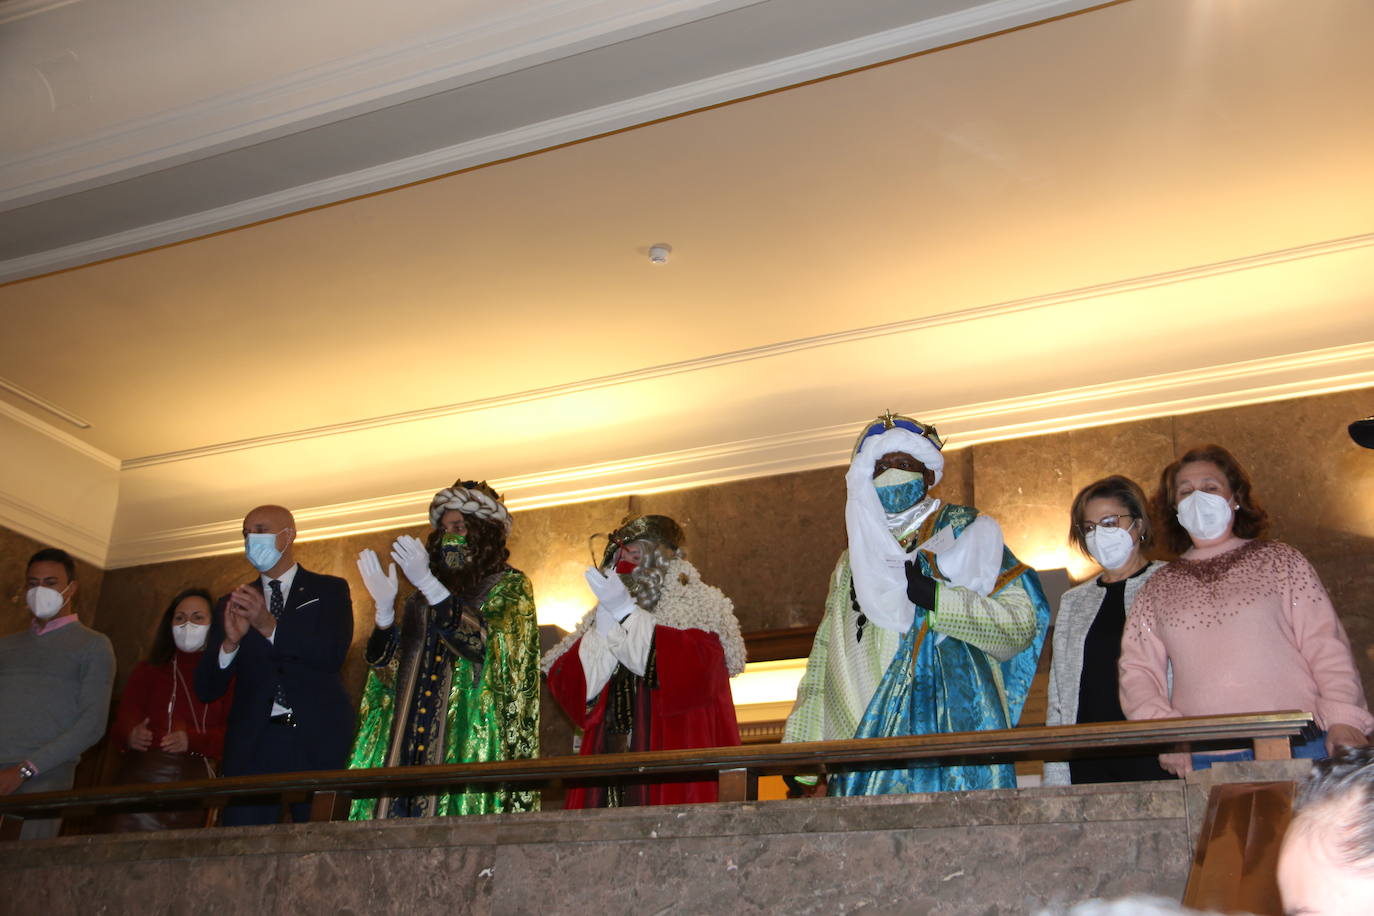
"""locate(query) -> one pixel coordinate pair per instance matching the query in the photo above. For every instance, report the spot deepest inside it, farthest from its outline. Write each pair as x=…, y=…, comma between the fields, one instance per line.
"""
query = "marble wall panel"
x=1136, y=450
x=1027, y=485
x=993, y=852
x=768, y=543
x=550, y=546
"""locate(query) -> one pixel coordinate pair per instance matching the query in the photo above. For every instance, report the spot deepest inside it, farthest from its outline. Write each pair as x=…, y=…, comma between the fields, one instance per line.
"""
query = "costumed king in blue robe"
x=931, y=626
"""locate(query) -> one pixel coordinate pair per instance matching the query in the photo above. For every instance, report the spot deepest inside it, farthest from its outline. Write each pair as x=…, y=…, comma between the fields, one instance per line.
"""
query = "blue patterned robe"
x=951, y=686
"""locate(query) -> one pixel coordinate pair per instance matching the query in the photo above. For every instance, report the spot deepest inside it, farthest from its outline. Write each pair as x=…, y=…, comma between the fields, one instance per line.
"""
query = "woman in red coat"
x=165, y=732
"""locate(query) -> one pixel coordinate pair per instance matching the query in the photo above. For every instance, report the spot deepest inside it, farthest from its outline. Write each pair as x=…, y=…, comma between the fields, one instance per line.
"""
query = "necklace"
x=197, y=718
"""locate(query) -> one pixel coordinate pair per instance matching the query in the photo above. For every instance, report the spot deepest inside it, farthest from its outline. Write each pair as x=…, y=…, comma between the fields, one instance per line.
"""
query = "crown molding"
x=1167, y=278
x=24, y=418
x=468, y=53
x=979, y=21
x=1229, y=385
x=27, y=519
x=12, y=10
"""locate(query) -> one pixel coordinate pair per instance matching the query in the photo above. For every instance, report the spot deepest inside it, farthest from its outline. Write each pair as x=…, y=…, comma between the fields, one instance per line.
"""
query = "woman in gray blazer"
x=1109, y=523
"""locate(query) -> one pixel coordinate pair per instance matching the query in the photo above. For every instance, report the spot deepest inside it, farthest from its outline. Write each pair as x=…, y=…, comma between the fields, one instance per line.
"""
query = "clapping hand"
x=235, y=627
x=410, y=554
x=248, y=603
x=381, y=587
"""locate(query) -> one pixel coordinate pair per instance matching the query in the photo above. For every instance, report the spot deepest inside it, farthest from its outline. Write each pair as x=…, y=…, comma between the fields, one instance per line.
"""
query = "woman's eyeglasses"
x=1108, y=521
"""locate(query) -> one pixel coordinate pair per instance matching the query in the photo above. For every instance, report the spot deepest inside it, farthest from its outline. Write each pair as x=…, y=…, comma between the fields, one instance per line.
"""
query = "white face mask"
x=1110, y=547
x=190, y=637
x=1206, y=516
x=45, y=602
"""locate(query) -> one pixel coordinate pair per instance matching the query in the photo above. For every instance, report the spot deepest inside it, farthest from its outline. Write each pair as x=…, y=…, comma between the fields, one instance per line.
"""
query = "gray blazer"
x=1077, y=610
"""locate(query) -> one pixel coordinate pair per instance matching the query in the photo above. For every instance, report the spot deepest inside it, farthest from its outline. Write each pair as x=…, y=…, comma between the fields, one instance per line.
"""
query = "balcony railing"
x=736, y=768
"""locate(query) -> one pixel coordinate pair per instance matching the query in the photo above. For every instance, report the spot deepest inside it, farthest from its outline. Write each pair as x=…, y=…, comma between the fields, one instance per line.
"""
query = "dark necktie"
x=277, y=606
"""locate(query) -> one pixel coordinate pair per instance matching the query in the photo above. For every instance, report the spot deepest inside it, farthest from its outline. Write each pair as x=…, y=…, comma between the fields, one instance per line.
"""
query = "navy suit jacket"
x=306, y=656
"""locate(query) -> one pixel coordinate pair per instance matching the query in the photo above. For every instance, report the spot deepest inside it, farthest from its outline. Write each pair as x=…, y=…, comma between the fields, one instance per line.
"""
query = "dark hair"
x=1251, y=520
x=1122, y=489
x=164, y=647
x=1349, y=773
x=489, y=553
x=54, y=555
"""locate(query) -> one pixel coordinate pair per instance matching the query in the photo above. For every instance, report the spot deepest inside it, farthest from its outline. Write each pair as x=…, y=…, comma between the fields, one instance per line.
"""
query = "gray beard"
x=641, y=589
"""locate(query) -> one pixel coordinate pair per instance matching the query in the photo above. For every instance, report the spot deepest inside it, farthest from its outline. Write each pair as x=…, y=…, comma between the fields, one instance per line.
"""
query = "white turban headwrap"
x=473, y=502
x=878, y=561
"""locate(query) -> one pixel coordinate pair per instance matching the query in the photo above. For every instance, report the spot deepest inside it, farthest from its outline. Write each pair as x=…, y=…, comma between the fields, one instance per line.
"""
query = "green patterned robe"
x=480, y=655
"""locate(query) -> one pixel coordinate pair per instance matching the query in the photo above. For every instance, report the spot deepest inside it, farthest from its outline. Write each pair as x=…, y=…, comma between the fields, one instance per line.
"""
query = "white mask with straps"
x=44, y=602
x=1110, y=547
x=190, y=637
x=1206, y=516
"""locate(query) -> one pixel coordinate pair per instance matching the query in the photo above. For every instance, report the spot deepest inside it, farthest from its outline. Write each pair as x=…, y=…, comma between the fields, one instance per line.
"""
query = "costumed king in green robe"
x=931, y=625
x=456, y=678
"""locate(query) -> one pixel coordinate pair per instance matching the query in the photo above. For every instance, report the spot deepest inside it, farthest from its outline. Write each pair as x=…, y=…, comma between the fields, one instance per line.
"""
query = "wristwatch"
x=26, y=772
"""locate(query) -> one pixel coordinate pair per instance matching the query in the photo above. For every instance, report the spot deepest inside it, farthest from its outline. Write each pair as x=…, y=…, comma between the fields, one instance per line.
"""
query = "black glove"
x=920, y=588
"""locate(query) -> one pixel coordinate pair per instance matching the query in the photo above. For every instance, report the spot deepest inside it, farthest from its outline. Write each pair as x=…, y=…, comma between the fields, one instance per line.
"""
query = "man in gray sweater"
x=55, y=679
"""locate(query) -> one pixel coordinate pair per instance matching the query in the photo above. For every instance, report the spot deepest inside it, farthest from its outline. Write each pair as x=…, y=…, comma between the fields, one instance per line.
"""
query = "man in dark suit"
x=284, y=637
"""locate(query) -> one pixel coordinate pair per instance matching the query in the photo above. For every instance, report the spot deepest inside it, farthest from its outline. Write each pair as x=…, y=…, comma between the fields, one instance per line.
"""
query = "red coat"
x=691, y=707
x=146, y=697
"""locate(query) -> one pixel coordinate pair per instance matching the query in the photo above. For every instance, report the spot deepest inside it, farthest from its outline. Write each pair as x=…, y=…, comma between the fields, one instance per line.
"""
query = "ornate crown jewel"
x=887, y=420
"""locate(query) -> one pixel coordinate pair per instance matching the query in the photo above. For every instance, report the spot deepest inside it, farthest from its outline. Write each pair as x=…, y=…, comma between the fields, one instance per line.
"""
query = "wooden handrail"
x=1268, y=731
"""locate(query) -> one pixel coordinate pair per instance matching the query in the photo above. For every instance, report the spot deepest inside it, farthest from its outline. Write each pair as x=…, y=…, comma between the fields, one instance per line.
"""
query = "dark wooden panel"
x=779, y=645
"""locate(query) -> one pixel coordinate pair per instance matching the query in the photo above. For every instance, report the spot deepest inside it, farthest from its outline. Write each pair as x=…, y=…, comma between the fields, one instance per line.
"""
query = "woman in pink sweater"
x=1245, y=622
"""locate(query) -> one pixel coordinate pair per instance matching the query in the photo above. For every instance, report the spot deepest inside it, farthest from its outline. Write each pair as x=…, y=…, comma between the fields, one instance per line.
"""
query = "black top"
x=1099, y=699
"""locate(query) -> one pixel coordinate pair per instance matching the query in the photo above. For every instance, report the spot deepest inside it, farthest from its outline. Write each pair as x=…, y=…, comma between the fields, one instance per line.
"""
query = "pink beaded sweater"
x=1250, y=629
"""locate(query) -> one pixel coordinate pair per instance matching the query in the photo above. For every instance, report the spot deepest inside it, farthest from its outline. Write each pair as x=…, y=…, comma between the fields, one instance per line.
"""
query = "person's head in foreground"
x=1326, y=865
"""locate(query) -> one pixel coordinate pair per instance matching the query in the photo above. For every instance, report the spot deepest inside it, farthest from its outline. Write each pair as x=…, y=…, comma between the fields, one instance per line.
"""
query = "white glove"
x=610, y=593
x=410, y=554
x=382, y=588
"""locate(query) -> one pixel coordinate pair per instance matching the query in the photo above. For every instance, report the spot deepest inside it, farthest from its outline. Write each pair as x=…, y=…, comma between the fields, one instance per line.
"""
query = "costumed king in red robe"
x=649, y=668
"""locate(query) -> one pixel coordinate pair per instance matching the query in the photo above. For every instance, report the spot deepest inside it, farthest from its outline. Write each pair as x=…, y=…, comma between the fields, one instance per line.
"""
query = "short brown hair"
x=1251, y=519
x=1122, y=489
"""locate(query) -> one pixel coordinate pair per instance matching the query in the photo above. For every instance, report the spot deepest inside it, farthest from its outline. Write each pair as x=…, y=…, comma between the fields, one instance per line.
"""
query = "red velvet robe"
x=691, y=707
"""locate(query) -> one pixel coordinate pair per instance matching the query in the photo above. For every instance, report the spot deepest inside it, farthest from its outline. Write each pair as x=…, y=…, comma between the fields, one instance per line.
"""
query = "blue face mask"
x=899, y=490
x=261, y=549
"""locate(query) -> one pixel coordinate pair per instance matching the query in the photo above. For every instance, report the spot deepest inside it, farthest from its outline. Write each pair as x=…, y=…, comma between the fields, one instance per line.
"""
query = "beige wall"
x=770, y=542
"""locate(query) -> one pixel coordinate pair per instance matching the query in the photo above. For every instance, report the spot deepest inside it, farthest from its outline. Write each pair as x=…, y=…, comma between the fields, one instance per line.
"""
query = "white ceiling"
x=1146, y=208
